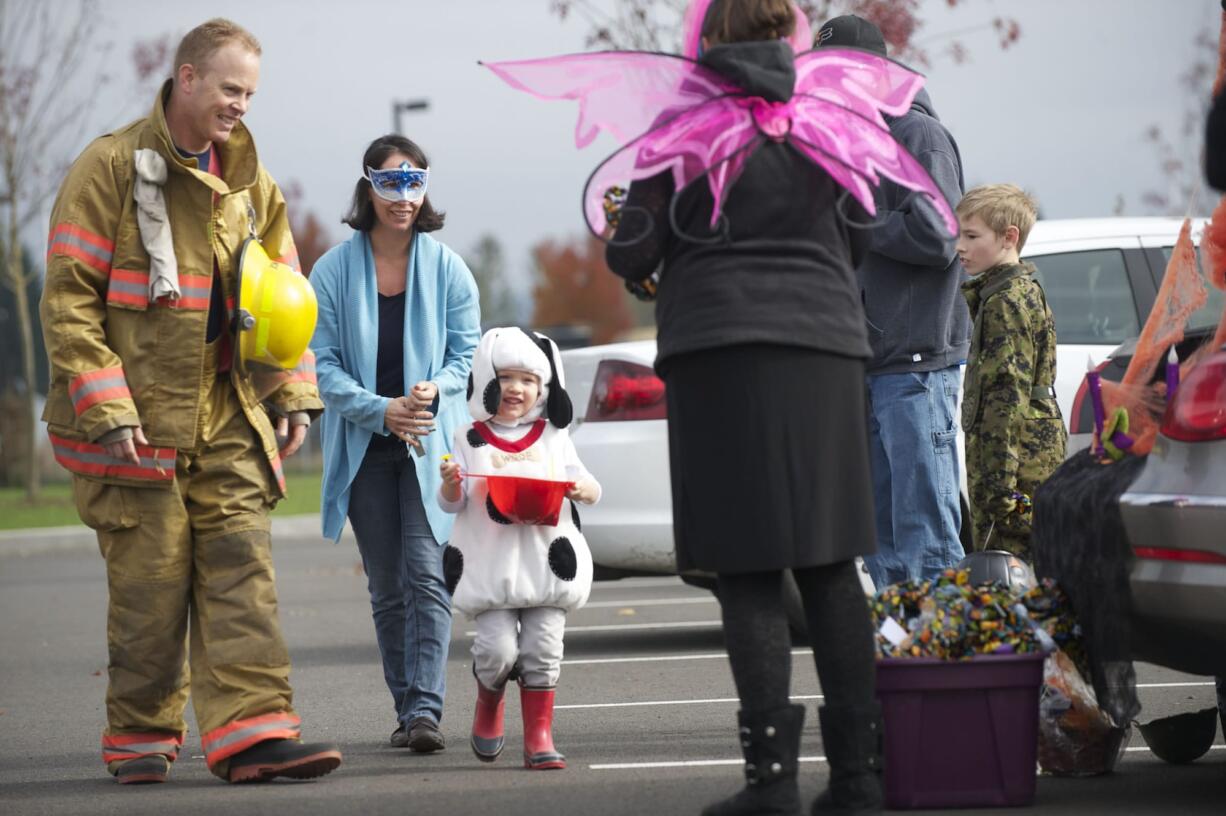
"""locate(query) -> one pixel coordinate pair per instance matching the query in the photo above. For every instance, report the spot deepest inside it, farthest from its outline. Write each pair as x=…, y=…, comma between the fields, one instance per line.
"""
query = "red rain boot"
x=487, y=738
x=539, y=753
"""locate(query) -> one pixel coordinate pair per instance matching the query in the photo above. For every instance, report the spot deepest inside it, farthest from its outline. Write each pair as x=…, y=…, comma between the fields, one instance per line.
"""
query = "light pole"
x=400, y=106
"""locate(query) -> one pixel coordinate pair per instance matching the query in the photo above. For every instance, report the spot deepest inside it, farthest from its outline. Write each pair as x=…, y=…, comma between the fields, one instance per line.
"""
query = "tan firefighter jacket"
x=118, y=358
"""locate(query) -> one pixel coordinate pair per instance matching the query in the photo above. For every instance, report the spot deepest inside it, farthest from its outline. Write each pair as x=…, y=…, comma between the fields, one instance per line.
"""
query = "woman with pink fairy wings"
x=761, y=340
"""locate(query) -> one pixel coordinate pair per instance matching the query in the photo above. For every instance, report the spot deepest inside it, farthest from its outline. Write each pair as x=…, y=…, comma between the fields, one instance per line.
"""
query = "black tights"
x=760, y=645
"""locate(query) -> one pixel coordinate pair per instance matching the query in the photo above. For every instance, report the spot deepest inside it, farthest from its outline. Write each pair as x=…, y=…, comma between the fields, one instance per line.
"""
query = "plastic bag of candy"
x=1076, y=737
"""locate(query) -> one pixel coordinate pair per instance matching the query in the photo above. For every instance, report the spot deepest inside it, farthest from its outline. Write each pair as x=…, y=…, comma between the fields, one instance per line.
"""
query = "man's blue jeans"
x=404, y=573
x=914, y=459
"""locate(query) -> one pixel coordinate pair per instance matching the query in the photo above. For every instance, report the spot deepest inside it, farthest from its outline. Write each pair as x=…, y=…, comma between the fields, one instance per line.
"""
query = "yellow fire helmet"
x=276, y=310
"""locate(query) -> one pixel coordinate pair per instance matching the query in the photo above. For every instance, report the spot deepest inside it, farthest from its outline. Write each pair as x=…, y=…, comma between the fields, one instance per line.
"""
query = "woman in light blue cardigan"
x=398, y=323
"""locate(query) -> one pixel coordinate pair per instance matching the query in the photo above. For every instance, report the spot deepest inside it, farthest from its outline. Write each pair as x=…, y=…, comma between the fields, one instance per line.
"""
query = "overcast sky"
x=1062, y=113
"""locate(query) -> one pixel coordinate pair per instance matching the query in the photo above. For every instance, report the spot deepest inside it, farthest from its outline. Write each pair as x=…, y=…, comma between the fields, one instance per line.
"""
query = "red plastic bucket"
x=960, y=733
x=528, y=501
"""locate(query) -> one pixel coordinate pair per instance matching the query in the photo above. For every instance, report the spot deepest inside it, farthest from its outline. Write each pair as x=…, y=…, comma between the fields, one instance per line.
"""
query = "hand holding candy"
x=614, y=201
x=449, y=469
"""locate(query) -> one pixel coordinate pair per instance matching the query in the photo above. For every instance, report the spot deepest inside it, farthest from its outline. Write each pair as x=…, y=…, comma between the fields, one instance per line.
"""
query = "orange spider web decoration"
x=1182, y=293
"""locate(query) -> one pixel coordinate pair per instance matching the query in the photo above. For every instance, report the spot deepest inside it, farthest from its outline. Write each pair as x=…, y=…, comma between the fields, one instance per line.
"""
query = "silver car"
x=1175, y=518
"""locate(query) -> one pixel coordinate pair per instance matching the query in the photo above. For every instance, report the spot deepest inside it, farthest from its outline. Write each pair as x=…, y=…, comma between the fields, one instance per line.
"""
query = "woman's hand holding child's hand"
x=583, y=492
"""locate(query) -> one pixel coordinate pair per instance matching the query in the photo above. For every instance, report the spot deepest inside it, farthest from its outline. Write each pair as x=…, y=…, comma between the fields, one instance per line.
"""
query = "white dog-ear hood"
x=504, y=348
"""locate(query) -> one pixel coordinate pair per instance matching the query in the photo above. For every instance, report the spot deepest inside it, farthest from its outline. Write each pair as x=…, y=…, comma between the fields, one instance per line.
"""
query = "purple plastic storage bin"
x=960, y=733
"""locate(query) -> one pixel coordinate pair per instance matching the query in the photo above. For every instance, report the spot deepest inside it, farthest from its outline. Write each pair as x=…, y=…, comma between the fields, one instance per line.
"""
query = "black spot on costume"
x=562, y=559
x=453, y=567
x=494, y=514
x=492, y=397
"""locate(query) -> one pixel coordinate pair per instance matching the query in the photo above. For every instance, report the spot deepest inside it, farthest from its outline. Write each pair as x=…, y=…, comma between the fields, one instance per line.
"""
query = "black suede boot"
x=770, y=741
x=852, y=736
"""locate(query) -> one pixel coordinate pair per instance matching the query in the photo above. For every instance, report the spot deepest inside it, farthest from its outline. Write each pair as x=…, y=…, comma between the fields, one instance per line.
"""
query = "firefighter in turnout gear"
x=172, y=447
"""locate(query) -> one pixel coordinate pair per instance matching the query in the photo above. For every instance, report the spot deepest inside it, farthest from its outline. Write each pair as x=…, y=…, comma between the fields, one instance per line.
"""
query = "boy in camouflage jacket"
x=1015, y=436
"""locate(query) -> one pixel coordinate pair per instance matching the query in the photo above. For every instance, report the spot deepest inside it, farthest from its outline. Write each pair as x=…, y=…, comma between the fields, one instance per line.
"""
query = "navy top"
x=217, y=301
x=389, y=365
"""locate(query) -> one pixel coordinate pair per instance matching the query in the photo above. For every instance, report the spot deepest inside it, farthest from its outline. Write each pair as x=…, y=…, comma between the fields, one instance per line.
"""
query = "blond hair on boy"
x=1000, y=206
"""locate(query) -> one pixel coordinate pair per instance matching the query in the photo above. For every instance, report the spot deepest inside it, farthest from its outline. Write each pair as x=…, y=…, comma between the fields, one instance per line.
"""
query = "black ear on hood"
x=558, y=407
x=492, y=398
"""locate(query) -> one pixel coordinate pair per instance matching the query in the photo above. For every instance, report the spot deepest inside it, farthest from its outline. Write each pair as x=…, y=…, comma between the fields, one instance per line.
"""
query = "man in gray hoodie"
x=919, y=330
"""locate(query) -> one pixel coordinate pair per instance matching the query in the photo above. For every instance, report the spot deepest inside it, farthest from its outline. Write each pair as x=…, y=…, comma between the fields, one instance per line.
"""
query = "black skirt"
x=768, y=452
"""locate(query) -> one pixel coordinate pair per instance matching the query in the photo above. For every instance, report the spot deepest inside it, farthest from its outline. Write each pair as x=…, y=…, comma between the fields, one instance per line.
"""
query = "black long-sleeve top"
x=783, y=272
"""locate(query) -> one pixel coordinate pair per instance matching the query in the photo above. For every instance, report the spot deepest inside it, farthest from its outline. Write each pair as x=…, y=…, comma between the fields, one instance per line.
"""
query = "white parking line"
x=663, y=580
x=593, y=661
x=631, y=627
x=1146, y=748
x=704, y=763
x=1173, y=685
x=708, y=701
x=684, y=763
x=652, y=602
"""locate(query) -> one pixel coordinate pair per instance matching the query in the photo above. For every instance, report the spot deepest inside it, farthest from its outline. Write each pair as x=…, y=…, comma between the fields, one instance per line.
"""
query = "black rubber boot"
x=770, y=741
x=852, y=736
x=284, y=757
x=143, y=770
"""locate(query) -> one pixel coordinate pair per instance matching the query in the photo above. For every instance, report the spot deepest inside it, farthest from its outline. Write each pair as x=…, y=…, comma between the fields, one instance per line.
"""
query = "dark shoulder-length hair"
x=362, y=213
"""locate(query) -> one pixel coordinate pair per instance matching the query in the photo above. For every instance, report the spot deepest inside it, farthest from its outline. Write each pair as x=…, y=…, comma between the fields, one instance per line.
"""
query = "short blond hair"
x=204, y=40
x=1001, y=206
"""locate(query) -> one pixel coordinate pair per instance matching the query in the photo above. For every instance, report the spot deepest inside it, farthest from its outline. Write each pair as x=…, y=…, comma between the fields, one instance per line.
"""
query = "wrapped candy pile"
x=949, y=619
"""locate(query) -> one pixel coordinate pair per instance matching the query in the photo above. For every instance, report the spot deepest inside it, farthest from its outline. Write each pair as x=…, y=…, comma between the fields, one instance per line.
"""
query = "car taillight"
x=1186, y=556
x=625, y=391
x=1198, y=411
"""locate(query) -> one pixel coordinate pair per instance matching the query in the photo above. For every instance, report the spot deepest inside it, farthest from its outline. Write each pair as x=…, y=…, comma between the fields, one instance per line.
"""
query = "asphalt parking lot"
x=646, y=710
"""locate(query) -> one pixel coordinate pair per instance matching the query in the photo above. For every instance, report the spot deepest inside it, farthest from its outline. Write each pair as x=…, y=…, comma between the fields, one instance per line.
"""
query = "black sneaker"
x=143, y=770
x=284, y=757
x=400, y=737
x=424, y=736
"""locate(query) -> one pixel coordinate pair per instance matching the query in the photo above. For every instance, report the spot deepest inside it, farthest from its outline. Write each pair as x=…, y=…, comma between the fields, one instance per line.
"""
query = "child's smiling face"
x=520, y=390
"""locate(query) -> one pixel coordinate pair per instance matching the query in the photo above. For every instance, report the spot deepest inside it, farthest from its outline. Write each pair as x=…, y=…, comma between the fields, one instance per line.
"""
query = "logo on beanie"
x=825, y=34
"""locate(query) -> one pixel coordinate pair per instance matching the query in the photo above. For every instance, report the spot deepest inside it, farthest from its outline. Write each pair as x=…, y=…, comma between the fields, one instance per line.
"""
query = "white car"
x=1100, y=277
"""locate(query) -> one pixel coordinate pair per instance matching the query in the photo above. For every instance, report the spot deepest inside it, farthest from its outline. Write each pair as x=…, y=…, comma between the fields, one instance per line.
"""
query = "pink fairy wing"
x=837, y=122
x=862, y=82
x=857, y=153
x=713, y=137
x=619, y=92
x=623, y=93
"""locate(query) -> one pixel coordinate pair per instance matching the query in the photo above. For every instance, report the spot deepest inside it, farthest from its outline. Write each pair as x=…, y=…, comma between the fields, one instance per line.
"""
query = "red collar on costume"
x=506, y=445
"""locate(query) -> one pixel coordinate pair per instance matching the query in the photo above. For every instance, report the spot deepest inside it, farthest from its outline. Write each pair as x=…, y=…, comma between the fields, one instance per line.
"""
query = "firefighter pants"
x=193, y=608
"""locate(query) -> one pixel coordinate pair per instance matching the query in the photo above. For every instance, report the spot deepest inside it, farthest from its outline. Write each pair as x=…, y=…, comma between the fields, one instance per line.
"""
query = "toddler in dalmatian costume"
x=516, y=580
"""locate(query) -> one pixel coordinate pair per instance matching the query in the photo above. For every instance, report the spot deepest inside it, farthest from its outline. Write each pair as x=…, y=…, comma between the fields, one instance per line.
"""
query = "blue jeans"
x=404, y=573
x=914, y=459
